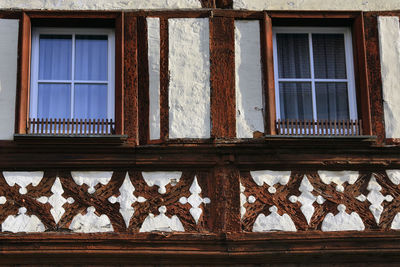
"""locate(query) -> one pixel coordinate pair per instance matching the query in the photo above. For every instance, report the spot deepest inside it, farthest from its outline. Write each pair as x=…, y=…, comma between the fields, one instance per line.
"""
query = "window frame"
x=33, y=93
x=67, y=19
x=352, y=19
x=350, y=81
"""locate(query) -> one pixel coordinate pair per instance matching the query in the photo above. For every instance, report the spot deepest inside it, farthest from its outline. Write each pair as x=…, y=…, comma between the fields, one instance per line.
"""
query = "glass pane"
x=332, y=101
x=296, y=100
x=90, y=101
x=54, y=101
x=91, y=57
x=293, y=55
x=55, y=53
x=329, y=56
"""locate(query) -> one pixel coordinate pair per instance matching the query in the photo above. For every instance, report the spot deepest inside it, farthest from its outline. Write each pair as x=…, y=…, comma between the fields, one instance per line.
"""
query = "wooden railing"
x=319, y=127
x=71, y=126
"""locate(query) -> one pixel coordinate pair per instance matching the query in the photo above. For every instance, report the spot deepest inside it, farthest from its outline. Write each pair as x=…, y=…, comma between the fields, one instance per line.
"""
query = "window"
x=314, y=78
x=72, y=77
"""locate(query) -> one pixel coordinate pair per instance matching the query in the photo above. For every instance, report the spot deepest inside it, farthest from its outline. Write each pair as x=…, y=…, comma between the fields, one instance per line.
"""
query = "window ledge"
x=70, y=139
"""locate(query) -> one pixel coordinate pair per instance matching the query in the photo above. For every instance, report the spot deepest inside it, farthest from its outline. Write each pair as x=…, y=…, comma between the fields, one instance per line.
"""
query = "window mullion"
x=313, y=94
x=72, y=77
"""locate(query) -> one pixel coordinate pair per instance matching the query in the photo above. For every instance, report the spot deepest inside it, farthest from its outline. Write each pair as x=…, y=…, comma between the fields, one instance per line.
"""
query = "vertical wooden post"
x=222, y=60
x=225, y=213
x=267, y=60
x=131, y=116
x=24, y=53
x=119, y=74
x=143, y=72
x=164, y=80
x=360, y=72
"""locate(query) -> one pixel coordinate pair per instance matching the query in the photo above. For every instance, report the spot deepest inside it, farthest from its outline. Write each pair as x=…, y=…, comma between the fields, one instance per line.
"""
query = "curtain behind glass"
x=55, y=53
x=90, y=101
x=329, y=56
x=293, y=55
x=54, y=101
x=91, y=57
x=296, y=100
x=332, y=101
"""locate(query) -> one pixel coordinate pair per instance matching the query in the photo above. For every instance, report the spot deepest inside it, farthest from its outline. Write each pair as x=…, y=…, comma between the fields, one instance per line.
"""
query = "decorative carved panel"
x=102, y=201
x=320, y=200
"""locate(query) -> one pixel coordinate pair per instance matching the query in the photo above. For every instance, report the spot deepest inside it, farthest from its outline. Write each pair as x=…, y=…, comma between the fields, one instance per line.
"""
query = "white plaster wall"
x=153, y=32
x=389, y=40
x=8, y=76
x=249, y=97
x=98, y=4
x=366, y=5
x=189, y=87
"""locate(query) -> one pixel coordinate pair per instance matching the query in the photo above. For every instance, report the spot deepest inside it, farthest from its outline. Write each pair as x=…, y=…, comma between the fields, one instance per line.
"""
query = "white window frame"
x=33, y=94
x=349, y=66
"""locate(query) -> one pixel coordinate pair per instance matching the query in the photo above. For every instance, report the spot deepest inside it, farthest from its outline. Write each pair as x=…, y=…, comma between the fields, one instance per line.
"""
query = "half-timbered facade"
x=200, y=132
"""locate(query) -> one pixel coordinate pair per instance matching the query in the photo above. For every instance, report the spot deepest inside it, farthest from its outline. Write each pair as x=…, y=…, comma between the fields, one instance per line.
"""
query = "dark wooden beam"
x=360, y=73
x=283, y=249
x=143, y=90
x=24, y=71
x=164, y=79
x=225, y=196
x=267, y=60
x=119, y=74
x=222, y=60
x=131, y=116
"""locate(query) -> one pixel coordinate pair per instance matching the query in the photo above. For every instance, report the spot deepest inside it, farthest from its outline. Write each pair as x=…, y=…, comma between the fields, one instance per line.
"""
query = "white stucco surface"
x=162, y=179
x=394, y=176
x=99, y=4
x=126, y=199
x=23, y=179
x=274, y=222
x=338, y=178
x=342, y=221
x=270, y=178
x=307, y=199
x=389, y=41
x=189, y=86
x=366, y=5
x=153, y=32
x=249, y=96
x=161, y=223
x=91, y=178
x=91, y=222
x=8, y=76
x=195, y=200
x=22, y=223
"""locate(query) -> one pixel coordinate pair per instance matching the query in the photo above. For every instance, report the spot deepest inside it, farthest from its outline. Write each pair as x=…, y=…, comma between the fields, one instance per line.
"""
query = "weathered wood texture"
x=225, y=198
x=131, y=116
x=222, y=69
x=333, y=198
x=164, y=80
x=143, y=82
x=119, y=73
x=316, y=249
x=374, y=75
x=224, y=4
x=360, y=72
x=100, y=200
x=24, y=55
x=267, y=60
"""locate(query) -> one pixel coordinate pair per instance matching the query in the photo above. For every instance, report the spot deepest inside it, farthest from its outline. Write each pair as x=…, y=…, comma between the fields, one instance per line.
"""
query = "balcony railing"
x=319, y=127
x=71, y=126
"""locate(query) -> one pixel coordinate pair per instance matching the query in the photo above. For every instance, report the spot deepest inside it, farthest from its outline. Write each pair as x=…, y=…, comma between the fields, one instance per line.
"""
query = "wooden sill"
x=70, y=139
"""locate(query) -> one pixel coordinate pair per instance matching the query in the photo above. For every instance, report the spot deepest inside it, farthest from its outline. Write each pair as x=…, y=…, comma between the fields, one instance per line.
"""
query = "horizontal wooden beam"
x=162, y=248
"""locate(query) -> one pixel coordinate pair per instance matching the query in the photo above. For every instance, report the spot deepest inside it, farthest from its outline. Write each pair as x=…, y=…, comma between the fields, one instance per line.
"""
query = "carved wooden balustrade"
x=71, y=126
